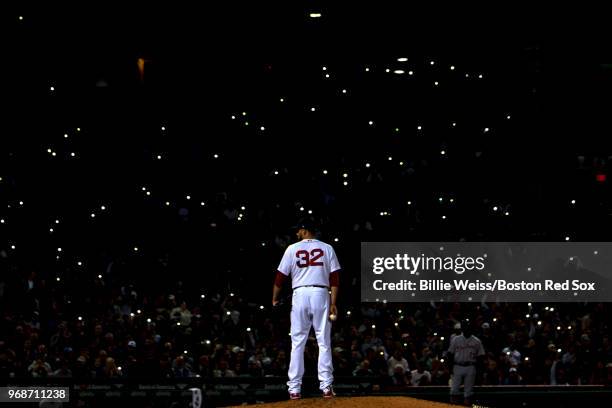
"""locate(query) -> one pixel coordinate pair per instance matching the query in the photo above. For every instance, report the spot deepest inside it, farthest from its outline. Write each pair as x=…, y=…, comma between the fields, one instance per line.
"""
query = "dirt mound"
x=358, y=402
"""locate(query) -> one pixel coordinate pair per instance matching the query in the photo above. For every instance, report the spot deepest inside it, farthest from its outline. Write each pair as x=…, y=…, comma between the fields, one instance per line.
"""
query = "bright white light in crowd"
x=454, y=124
x=345, y=175
x=168, y=203
x=367, y=69
x=79, y=263
x=595, y=252
x=567, y=238
x=344, y=91
x=131, y=314
x=444, y=217
x=248, y=329
x=324, y=171
x=387, y=70
x=73, y=154
x=452, y=67
x=431, y=62
x=59, y=249
x=539, y=322
x=144, y=189
x=480, y=76
x=573, y=201
x=336, y=240
x=324, y=68
x=396, y=324
x=233, y=116
x=216, y=156
x=312, y=109
x=228, y=313
x=1, y=220
x=188, y=197
x=159, y=157
x=315, y=15
x=99, y=276
x=409, y=203
x=390, y=158
x=20, y=18
x=58, y=279
x=467, y=75
x=527, y=315
x=326, y=75
x=398, y=71
x=309, y=211
x=301, y=208
x=93, y=215
x=442, y=152
x=569, y=327
x=410, y=72
x=178, y=323
x=442, y=338
x=163, y=128
x=262, y=128
x=148, y=193
x=261, y=307
x=21, y=203
x=367, y=164
x=436, y=83
x=495, y=319
x=49, y=150
x=135, y=249
x=373, y=326
x=13, y=247
x=552, y=309
x=529, y=304
x=80, y=318
x=65, y=135
x=78, y=129
x=276, y=172
x=139, y=311
x=149, y=320
x=52, y=88
x=402, y=59
x=345, y=183
x=370, y=123
x=103, y=207
x=495, y=208
x=232, y=294
x=419, y=127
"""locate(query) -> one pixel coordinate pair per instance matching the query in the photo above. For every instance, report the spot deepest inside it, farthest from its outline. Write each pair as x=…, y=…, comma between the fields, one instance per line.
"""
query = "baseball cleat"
x=295, y=395
x=329, y=392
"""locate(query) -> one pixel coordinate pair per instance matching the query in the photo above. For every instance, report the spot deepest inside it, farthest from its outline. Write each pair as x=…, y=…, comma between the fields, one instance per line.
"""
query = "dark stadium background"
x=207, y=63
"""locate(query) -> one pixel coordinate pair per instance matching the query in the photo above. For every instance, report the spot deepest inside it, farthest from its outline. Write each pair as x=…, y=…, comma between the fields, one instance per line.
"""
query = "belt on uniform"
x=465, y=364
x=311, y=286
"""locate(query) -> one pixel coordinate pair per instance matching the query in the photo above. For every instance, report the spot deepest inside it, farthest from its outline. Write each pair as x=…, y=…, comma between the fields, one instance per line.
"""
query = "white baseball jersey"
x=309, y=262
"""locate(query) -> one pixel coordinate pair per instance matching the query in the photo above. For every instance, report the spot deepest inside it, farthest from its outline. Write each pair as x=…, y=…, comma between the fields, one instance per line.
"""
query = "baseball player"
x=464, y=352
x=314, y=269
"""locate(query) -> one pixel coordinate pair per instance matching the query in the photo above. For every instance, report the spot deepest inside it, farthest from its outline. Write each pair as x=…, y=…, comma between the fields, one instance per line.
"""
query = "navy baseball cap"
x=307, y=224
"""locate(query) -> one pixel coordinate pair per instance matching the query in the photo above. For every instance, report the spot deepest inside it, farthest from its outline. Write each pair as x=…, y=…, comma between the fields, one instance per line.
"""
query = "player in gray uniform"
x=464, y=353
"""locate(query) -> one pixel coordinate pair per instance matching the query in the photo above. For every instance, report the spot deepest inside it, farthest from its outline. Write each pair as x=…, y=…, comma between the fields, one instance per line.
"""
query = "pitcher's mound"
x=358, y=402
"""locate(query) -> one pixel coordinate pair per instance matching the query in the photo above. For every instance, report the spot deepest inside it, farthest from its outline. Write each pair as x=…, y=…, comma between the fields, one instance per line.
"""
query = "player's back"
x=309, y=262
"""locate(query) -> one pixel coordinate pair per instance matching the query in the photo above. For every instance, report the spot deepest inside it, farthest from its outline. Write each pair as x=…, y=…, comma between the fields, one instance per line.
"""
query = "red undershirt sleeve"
x=334, y=279
x=280, y=278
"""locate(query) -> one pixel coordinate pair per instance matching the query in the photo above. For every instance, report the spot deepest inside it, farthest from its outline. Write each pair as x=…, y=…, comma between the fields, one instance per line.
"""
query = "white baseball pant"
x=310, y=308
